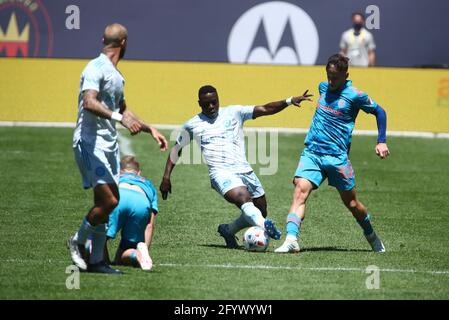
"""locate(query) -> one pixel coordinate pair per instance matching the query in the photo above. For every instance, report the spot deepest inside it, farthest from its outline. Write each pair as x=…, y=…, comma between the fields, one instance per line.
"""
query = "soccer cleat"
x=271, y=229
x=230, y=239
x=145, y=260
x=77, y=253
x=375, y=242
x=288, y=247
x=102, y=267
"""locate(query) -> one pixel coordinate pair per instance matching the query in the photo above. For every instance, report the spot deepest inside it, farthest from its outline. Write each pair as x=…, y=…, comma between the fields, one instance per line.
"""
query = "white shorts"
x=97, y=166
x=223, y=182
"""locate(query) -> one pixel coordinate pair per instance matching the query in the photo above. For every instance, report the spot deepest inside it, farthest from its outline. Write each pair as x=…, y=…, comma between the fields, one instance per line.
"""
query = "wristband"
x=116, y=116
x=288, y=101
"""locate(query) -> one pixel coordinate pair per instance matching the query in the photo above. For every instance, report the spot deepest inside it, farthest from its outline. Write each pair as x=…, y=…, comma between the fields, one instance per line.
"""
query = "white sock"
x=291, y=238
x=252, y=215
x=85, y=230
x=238, y=224
x=98, y=242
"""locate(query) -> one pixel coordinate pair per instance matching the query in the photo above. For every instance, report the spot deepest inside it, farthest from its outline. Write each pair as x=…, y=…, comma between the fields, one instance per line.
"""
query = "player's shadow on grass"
x=220, y=246
x=312, y=249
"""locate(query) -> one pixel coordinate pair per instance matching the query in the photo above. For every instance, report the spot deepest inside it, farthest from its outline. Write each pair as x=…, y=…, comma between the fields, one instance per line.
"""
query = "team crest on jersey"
x=25, y=29
x=341, y=103
x=100, y=171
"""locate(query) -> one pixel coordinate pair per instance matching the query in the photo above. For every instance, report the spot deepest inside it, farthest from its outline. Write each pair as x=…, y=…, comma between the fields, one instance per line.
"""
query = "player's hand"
x=305, y=97
x=131, y=123
x=160, y=139
x=165, y=187
x=382, y=150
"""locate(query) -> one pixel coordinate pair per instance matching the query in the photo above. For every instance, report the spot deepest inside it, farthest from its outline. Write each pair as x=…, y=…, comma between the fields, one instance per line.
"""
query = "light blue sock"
x=366, y=225
x=84, y=232
x=133, y=258
x=98, y=243
x=252, y=215
x=293, y=225
x=238, y=224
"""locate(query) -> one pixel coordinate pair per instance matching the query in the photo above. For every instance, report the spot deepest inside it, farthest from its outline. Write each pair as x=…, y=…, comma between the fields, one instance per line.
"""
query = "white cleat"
x=75, y=254
x=288, y=247
x=375, y=242
x=145, y=260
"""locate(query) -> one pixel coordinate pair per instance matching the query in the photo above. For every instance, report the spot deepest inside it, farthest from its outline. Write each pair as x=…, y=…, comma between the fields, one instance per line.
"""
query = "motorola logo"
x=274, y=33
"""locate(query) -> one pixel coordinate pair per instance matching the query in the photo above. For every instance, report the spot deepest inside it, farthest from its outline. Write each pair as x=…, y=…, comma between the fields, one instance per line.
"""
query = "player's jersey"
x=144, y=184
x=102, y=76
x=221, y=139
x=334, y=118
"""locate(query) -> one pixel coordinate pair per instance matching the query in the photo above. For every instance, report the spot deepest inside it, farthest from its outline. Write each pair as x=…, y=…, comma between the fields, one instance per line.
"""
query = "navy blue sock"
x=365, y=224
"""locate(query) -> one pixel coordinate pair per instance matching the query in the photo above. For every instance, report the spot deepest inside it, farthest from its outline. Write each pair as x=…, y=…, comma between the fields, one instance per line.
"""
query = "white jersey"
x=221, y=139
x=102, y=76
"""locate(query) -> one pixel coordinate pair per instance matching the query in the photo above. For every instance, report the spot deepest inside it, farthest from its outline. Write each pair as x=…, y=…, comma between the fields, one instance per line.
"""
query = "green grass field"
x=42, y=203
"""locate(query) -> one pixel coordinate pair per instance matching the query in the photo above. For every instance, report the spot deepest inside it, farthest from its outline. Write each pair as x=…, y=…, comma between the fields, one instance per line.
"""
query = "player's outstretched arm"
x=278, y=106
x=381, y=146
x=165, y=187
x=130, y=118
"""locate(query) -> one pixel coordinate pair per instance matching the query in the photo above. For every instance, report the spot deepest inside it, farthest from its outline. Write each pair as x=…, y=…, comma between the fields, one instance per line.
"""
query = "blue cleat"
x=231, y=242
x=271, y=229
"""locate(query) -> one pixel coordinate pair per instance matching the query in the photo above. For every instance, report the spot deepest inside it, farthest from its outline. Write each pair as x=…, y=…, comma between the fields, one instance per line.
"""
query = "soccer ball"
x=256, y=239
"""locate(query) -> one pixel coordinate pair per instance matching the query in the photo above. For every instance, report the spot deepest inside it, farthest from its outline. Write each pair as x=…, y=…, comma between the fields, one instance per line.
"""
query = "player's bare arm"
x=149, y=230
x=91, y=103
x=158, y=137
x=278, y=106
x=165, y=186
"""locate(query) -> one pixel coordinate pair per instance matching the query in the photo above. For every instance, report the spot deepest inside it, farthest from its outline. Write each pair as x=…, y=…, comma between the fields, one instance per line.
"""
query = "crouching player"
x=134, y=216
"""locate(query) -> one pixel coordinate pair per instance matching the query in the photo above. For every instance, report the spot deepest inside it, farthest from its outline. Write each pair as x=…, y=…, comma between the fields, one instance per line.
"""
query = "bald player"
x=101, y=104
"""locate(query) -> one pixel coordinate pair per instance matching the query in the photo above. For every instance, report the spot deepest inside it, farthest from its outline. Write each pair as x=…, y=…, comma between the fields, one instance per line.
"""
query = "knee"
x=352, y=205
x=109, y=204
x=242, y=198
x=300, y=195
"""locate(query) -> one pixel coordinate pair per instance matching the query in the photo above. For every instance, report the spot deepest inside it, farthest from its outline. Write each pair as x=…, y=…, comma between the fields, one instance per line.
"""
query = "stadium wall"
x=166, y=92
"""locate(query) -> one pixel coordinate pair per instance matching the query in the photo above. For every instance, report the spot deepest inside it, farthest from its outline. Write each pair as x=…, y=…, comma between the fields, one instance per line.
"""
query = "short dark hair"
x=339, y=61
x=206, y=89
x=129, y=163
x=358, y=13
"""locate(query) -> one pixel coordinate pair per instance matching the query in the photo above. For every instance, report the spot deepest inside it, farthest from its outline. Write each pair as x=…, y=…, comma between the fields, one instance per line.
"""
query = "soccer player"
x=134, y=216
x=219, y=132
x=327, y=151
x=101, y=104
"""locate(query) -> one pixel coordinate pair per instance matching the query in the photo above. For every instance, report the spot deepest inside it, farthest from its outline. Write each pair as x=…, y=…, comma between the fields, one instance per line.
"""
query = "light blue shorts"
x=317, y=167
x=96, y=166
x=131, y=216
x=223, y=182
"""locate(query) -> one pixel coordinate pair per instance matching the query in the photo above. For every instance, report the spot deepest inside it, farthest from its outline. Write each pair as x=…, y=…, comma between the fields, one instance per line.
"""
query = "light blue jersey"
x=133, y=212
x=144, y=184
x=331, y=129
x=102, y=76
x=221, y=139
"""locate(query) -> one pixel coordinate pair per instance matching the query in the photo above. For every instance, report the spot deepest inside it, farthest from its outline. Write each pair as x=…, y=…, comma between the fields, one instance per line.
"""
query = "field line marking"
x=231, y=266
x=408, y=134
x=240, y=266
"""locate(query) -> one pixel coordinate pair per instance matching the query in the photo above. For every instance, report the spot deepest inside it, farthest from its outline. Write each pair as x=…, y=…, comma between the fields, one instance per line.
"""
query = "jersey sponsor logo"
x=25, y=29
x=320, y=106
x=274, y=32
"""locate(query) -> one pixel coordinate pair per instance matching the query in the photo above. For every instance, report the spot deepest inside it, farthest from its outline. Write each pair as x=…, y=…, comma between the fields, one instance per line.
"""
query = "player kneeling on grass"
x=219, y=132
x=134, y=216
x=327, y=151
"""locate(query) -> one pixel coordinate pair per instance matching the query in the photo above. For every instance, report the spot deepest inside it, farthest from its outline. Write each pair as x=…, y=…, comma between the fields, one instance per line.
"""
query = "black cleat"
x=231, y=241
x=102, y=267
